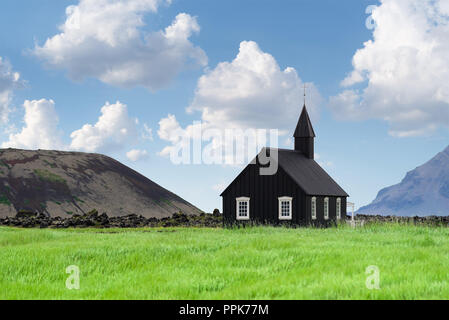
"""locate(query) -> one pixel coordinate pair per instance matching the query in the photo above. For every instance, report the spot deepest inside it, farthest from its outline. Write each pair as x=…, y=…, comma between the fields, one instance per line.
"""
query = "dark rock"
x=429, y=220
x=93, y=213
x=25, y=214
x=43, y=225
x=93, y=219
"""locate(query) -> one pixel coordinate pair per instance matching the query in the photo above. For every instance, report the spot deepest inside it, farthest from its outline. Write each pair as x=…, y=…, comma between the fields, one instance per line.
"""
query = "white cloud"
x=170, y=130
x=41, y=127
x=9, y=80
x=113, y=130
x=104, y=39
x=137, y=155
x=252, y=91
x=402, y=75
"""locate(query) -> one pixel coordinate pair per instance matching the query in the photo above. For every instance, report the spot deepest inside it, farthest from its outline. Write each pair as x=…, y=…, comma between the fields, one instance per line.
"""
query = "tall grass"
x=247, y=263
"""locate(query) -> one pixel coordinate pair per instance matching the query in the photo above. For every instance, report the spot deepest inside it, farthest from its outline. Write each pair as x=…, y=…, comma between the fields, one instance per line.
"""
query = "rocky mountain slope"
x=424, y=191
x=59, y=183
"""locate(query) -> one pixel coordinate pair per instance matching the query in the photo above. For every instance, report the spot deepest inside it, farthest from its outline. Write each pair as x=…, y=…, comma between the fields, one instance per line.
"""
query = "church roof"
x=304, y=127
x=307, y=174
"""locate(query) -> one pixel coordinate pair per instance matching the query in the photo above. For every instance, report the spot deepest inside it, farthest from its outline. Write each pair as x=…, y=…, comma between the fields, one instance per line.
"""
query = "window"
x=242, y=209
x=314, y=208
x=285, y=208
x=326, y=208
x=338, y=210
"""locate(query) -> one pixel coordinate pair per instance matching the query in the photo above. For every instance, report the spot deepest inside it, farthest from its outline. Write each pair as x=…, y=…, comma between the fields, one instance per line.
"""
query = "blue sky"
x=368, y=135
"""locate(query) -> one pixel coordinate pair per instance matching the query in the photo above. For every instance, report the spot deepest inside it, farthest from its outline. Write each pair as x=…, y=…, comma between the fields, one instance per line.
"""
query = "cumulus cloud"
x=251, y=91
x=137, y=155
x=402, y=75
x=113, y=130
x=41, y=127
x=104, y=39
x=170, y=130
x=9, y=80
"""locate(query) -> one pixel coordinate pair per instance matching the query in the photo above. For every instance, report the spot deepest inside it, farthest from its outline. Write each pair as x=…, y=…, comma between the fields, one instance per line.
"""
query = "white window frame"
x=338, y=209
x=313, y=207
x=237, y=212
x=289, y=200
x=326, y=208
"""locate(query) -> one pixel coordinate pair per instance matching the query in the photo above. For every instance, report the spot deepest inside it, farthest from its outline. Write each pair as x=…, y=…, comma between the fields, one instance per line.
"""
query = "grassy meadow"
x=251, y=263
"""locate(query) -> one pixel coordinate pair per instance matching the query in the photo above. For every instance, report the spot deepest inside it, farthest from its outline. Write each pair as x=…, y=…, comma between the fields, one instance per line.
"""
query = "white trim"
x=326, y=208
x=352, y=205
x=338, y=209
x=313, y=208
x=285, y=199
x=238, y=201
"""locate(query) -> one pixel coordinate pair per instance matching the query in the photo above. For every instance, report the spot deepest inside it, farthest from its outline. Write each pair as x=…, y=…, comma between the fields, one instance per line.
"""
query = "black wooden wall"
x=264, y=191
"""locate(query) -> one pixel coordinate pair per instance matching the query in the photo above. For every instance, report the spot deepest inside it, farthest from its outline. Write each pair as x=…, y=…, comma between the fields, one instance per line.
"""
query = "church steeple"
x=304, y=135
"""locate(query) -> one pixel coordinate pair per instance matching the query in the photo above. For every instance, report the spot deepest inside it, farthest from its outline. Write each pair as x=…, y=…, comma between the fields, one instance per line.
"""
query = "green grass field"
x=251, y=263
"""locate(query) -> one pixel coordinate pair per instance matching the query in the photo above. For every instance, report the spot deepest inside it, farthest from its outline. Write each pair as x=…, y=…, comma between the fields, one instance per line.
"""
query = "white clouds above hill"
x=137, y=155
x=104, y=39
x=404, y=71
x=113, y=130
x=9, y=80
x=41, y=127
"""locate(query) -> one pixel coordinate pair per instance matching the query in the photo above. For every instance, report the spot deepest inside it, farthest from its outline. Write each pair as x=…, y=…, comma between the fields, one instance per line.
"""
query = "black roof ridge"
x=318, y=179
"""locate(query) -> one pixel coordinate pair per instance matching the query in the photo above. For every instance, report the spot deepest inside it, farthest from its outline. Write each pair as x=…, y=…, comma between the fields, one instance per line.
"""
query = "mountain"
x=61, y=183
x=423, y=191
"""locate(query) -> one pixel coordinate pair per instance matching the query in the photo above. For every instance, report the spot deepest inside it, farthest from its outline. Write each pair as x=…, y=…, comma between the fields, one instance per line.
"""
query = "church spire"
x=304, y=127
x=304, y=135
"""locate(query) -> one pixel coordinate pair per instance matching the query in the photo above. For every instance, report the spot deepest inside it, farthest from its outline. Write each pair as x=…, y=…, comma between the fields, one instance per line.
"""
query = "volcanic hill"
x=60, y=183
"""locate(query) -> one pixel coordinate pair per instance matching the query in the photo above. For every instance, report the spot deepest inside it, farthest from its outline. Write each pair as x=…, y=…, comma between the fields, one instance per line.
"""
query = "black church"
x=299, y=193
